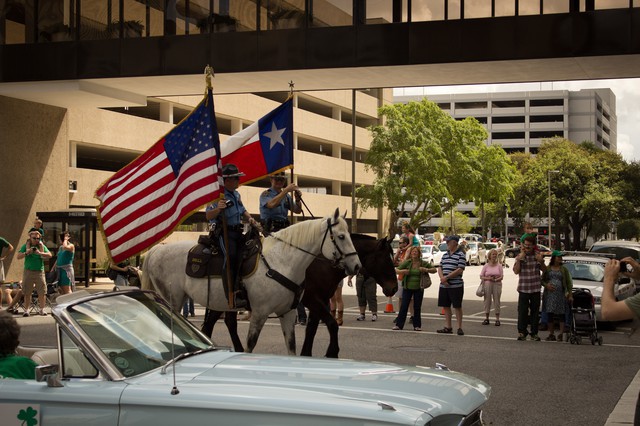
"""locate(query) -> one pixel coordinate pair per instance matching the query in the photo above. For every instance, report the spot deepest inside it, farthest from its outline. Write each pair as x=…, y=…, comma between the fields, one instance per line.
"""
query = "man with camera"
x=619, y=310
x=34, y=252
x=276, y=202
x=234, y=211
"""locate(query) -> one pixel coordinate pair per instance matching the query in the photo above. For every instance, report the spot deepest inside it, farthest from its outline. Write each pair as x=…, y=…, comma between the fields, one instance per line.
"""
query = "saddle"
x=206, y=259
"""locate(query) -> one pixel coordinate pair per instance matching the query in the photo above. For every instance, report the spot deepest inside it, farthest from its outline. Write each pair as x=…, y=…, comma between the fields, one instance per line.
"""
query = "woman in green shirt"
x=411, y=269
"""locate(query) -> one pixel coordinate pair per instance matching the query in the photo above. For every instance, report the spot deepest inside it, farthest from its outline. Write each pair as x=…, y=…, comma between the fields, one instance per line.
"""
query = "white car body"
x=124, y=358
x=587, y=271
x=431, y=253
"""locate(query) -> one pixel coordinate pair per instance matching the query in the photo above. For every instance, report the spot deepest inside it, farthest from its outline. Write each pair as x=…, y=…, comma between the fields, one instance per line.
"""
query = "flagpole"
x=209, y=73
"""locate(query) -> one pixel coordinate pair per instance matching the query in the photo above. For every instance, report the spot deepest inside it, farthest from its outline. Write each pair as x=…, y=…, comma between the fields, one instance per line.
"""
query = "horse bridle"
x=336, y=260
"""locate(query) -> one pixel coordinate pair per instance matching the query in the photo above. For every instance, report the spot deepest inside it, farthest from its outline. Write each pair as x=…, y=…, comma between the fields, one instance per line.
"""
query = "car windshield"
x=135, y=331
x=585, y=271
x=426, y=249
x=620, y=252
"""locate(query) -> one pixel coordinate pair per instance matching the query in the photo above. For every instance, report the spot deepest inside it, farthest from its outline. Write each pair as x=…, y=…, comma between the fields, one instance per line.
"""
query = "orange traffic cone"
x=389, y=308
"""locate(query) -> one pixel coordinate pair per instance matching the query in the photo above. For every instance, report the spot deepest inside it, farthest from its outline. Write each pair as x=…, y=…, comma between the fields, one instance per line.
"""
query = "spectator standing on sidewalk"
x=558, y=287
x=412, y=268
x=492, y=275
x=366, y=292
x=398, y=258
x=4, y=244
x=529, y=267
x=451, y=290
x=619, y=310
x=34, y=252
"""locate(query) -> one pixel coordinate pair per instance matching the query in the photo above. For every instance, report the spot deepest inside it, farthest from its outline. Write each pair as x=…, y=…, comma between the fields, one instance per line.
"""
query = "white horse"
x=288, y=252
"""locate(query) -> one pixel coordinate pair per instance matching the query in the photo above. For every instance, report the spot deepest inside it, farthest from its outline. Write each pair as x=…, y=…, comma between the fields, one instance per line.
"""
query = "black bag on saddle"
x=205, y=258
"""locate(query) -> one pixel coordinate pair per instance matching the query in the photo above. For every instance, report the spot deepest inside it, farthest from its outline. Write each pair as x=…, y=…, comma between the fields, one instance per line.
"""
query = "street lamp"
x=549, y=199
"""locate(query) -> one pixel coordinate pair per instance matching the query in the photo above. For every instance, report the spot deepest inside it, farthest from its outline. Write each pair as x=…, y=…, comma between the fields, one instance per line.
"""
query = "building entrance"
x=82, y=224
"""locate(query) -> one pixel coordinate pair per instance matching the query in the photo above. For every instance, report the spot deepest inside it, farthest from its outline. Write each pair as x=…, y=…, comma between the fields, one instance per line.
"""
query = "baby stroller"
x=583, y=317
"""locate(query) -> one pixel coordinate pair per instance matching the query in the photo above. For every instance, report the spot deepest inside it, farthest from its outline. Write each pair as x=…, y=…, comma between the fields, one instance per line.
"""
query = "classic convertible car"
x=124, y=358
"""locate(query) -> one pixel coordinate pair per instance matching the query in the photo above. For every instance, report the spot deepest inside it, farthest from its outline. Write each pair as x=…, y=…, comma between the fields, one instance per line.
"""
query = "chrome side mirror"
x=49, y=373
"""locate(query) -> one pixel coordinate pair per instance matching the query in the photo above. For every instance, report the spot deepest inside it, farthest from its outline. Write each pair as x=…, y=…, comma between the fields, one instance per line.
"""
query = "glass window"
x=550, y=7
x=282, y=15
x=427, y=10
x=611, y=4
x=477, y=9
x=379, y=11
x=505, y=8
x=74, y=362
x=529, y=7
x=332, y=13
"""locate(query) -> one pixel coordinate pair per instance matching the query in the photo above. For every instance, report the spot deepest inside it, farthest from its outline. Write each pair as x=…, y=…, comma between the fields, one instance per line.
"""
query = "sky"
x=627, y=92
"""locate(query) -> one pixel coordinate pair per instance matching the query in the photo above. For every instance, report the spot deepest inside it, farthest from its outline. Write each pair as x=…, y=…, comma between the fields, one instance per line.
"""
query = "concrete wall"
x=34, y=172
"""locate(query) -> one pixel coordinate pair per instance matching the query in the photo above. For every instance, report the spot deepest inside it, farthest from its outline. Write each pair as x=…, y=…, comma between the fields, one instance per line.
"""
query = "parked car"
x=476, y=253
x=620, y=248
x=431, y=253
x=514, y=251
x=110, y=369
x=471, y=237
x=587, y=271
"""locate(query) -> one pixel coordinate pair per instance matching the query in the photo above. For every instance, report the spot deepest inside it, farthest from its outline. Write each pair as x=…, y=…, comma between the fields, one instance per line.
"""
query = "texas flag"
x=263, y=148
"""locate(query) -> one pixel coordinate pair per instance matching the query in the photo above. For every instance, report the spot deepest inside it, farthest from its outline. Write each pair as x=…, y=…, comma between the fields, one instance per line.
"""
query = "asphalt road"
x=533, y=383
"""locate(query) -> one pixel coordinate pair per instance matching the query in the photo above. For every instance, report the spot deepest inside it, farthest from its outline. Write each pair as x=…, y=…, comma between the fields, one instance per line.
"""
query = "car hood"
x=270, y=383
x=594, y=287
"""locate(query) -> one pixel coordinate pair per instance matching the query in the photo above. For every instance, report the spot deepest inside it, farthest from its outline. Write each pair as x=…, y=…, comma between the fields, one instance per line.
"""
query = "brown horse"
x=321, y=281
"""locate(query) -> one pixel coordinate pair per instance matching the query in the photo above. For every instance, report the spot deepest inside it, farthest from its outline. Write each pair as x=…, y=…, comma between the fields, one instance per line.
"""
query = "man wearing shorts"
x=451, y=290
x=34, y=252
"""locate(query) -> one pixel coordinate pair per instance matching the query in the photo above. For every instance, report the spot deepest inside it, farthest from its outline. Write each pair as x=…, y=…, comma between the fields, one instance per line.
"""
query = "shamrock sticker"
x=28, y=417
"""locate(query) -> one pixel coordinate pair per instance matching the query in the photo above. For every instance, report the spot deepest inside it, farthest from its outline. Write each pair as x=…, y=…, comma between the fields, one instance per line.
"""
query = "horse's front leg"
x=332, y=326
x=288, y=323
x=210, y=319
x=255, y=327
x=231, y=321
x=310, y=333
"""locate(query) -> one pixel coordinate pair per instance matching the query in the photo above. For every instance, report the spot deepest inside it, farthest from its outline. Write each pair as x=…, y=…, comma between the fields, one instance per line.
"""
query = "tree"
x=461, y=223
x=424, y=161
x=407, y=159
x=497, y=180
x=629, y=229
x=584, y=190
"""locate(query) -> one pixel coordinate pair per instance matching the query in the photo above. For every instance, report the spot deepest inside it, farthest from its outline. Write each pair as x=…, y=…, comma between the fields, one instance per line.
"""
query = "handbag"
x=425, y=280
x=480, y=289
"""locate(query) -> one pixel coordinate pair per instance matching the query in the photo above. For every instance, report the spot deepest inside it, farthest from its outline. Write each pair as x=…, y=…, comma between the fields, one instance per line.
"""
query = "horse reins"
x=331, y=237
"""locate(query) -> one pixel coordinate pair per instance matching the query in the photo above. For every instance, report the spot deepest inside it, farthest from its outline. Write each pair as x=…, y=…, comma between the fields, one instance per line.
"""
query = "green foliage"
x=461, y=223
x=629, y=229
x=585, y=190
x=426, y=162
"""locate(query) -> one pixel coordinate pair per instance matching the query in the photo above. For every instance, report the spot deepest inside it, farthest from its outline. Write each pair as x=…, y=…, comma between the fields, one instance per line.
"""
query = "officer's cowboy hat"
x=279, y=175
x=231, y=170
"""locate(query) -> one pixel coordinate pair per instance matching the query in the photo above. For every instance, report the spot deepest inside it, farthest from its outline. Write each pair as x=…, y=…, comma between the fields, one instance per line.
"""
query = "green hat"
x=556, y=253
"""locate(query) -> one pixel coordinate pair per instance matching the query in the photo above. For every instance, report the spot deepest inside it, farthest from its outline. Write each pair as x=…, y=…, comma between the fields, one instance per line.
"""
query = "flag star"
x=275, y=135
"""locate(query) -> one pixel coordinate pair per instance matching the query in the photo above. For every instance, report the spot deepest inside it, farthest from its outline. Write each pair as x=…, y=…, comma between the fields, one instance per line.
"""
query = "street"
x=532, y=382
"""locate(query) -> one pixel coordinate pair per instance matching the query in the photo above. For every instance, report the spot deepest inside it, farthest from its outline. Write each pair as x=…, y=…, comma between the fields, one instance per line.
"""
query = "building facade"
x=56, y=158
x=521, y=121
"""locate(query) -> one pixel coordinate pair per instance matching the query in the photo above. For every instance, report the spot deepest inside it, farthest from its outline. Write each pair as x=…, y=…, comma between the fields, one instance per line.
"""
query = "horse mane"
x=301, y=234
x=362, y=237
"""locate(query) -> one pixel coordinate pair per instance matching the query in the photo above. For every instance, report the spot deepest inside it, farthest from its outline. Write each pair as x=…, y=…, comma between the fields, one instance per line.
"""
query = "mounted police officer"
x=234, y=211
x=276, y=202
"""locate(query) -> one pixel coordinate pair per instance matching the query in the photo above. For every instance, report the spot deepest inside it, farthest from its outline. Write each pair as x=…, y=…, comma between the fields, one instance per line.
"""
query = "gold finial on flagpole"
x=208, y=72
x=291, y=85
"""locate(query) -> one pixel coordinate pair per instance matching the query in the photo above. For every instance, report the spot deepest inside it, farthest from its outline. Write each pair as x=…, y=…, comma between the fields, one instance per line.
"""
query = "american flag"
x=146, y=200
